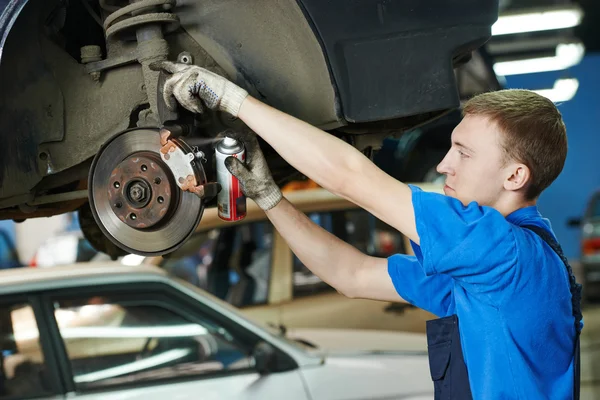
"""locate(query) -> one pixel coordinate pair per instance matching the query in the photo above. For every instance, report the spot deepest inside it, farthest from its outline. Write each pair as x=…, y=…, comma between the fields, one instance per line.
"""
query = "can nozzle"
x=229, y=142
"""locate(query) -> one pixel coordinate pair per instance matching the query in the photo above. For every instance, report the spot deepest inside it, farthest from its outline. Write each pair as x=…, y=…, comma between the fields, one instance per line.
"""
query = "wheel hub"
x=140, y=191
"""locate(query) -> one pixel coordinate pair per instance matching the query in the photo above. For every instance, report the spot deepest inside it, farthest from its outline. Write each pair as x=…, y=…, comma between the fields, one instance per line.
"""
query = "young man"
x=486, y=261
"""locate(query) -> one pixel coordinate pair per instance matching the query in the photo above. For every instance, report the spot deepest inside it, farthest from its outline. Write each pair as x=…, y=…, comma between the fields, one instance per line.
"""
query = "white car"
x=108, y=331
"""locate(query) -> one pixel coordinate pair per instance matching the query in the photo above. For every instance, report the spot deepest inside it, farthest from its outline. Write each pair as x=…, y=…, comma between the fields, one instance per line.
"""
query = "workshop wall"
x=569, y=194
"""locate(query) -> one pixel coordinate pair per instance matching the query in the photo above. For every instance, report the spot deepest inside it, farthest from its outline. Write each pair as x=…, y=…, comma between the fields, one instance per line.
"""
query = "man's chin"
x=452, y=193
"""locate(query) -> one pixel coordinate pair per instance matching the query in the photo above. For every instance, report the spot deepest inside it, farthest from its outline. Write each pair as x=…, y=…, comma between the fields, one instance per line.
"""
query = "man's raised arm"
x=333, y=164
x=329, y=161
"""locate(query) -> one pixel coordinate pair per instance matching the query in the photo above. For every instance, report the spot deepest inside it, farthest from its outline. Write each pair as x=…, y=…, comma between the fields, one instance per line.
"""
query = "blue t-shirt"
x=509, y=289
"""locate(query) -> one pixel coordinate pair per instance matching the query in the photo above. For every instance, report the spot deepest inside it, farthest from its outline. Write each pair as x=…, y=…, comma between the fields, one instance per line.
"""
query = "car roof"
x=26, y=279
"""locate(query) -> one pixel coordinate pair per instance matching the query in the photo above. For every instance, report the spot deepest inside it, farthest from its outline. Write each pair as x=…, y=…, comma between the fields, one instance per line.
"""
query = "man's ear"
x=519, y=177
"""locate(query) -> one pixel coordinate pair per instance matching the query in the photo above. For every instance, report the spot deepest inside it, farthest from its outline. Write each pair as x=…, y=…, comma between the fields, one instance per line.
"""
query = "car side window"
x=24, y=372
x=128, y=340
x=356, y=227
x=232, y=263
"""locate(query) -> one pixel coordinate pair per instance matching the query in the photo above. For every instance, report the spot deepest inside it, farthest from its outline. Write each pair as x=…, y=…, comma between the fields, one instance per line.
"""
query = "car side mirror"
x=574, y=222
x=265, y=358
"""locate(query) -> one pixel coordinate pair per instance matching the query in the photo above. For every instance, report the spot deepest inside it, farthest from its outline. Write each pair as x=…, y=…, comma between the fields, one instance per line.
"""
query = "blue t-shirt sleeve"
x=431, y=293
x=473, y=244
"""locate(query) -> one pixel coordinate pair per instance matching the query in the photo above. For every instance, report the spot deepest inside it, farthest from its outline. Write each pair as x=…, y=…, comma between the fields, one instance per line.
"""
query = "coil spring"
x=141, y=13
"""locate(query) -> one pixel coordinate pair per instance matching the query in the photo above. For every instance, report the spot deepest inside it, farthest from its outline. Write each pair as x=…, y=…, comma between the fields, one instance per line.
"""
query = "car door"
x=149, y=341
x=27, y=366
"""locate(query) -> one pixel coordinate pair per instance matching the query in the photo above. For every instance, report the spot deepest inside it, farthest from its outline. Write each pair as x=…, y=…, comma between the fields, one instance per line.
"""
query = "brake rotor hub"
x=135, y=198
x=140, y=191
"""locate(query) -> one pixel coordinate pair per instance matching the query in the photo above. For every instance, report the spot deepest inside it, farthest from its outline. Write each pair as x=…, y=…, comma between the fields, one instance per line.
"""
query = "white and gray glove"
x=254, y=176
x=192, y=85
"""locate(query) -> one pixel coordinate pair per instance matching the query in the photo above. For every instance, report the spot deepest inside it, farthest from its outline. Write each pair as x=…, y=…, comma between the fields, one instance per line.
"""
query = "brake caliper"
x=184, y=162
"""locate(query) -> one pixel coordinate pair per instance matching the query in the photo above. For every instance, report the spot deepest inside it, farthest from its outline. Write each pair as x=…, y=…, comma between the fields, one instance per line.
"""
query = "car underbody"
x=75, y=76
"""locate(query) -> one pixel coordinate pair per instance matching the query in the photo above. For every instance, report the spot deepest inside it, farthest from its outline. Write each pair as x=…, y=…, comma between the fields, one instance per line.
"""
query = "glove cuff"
x=269, y=201
x=233, y=97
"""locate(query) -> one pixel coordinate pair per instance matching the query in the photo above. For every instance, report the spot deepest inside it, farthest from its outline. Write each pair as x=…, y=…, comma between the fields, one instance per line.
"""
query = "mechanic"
x=486, y=262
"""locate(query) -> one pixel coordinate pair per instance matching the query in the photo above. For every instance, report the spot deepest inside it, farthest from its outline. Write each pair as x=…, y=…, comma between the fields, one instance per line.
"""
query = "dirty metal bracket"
x=99, y=66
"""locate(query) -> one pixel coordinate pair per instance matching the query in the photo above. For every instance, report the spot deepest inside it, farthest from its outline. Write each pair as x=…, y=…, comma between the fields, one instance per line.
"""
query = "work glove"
x=192, y=85
x=254, y=175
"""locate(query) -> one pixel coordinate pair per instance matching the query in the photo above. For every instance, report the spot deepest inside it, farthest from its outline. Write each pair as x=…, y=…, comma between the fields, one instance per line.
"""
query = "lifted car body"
x=76, y=73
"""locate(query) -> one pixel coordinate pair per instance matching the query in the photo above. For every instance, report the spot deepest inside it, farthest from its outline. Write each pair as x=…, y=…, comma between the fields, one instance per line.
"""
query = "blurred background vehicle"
x=108, y=331
x=589, y=224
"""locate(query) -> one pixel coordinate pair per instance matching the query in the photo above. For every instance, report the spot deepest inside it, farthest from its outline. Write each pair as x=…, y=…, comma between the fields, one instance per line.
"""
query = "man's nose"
x=444, y=166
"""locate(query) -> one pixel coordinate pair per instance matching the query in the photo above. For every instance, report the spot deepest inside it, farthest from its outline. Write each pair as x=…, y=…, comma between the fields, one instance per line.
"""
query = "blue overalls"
x=448, y=369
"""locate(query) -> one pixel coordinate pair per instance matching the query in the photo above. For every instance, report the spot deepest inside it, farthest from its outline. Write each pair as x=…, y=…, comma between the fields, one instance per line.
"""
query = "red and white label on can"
x=231, y=201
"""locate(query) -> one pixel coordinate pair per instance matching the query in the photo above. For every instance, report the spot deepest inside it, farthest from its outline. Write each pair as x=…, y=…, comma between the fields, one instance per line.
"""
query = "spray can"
x=231, y=201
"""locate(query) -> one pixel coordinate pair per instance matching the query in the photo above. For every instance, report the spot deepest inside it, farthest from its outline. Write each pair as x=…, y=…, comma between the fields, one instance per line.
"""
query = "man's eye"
x=462, y=154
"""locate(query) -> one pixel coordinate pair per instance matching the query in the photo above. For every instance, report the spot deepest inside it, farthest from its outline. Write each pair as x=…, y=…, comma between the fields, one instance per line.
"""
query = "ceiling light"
x=537, y=21
x=563, y=90
x=567, y=55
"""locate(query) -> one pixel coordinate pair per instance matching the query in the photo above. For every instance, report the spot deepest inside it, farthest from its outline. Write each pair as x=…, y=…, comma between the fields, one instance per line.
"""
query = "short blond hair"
x=534, y=132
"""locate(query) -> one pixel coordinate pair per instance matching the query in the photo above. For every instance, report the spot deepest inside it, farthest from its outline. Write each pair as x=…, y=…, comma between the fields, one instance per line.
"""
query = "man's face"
x=474, y=166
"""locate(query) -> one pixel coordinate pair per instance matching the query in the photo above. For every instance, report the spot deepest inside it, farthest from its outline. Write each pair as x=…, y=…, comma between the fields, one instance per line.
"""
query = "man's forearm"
x=320, y=156
x=330, y=258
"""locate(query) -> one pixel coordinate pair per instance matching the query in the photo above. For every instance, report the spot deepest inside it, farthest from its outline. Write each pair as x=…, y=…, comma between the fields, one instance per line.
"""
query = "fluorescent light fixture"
x=537, y=21
x=132, y=260
x=135, y=366
x=563, y=90
x=567, y=55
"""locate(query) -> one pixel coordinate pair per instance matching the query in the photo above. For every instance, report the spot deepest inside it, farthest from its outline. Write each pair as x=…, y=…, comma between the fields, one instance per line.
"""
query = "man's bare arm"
x=333, y=164
x=342, y=266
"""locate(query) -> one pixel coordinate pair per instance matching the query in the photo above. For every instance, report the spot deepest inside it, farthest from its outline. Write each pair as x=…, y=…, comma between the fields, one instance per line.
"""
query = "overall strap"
x=575, y=289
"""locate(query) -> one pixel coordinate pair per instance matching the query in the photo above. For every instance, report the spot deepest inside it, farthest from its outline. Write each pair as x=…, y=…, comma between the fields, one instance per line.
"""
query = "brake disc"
x=135, y=199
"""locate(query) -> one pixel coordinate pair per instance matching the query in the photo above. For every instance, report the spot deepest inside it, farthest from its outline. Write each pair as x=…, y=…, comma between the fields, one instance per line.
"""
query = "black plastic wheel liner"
x=393, y=58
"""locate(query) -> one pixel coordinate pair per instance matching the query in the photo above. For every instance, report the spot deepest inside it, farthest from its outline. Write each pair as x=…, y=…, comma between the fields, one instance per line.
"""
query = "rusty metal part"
x=146, y=21
x=140, y=192
x=40, y=212
x=185, y=57
x=181, y=160
x=113, y=62
x=59, y=197
x=131, y=16
x=118, y=174
x=91, y=54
